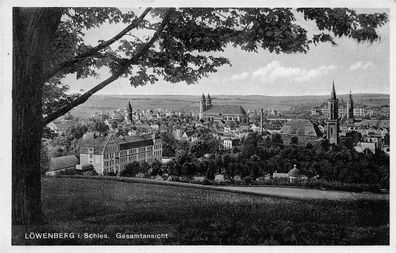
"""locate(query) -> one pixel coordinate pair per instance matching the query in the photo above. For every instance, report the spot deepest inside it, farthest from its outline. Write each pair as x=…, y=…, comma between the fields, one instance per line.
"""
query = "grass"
x=197, y=216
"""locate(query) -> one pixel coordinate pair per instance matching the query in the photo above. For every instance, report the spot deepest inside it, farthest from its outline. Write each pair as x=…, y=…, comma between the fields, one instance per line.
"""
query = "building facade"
x=350, y=114
x=111, y=154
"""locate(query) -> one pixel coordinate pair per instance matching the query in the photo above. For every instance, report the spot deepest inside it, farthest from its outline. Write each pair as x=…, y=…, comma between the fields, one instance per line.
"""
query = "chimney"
x=261, y=120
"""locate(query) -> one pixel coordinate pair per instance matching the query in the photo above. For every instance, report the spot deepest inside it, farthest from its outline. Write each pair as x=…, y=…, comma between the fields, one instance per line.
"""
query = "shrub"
x=144, y=167
x=69, y=172
x=207, y=181
x=140, y=175
x=89, y=173
x=247, y=180
x=155, y=167
x=174, y=178
x=131, y=169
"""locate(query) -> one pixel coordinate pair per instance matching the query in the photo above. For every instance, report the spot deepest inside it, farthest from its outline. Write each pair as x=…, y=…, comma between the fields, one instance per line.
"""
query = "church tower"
x=350, y=107
x=129, y=112
x=332, y=122
x=202, y=106
x=208, y=102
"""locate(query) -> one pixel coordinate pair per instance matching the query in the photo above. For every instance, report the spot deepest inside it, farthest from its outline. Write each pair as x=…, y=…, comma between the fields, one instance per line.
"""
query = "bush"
x=89, y=173
x=155, y=167
x=144, y=167
x=140, y=175
x=131, y=169
x=247, y=180
x=174, y=178
x=70, y=172
x=207, y=181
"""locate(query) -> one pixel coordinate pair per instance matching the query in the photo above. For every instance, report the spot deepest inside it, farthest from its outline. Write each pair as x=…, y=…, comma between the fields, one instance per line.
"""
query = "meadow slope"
x=197, y=216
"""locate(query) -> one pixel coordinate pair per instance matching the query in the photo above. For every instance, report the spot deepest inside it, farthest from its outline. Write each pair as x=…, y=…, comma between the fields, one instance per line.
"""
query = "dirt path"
x=300, y=193
x=269, y=191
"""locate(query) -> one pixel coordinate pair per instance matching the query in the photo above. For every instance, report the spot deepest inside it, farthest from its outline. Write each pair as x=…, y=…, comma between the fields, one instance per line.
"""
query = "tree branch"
x=133, y=60
x=96, y=49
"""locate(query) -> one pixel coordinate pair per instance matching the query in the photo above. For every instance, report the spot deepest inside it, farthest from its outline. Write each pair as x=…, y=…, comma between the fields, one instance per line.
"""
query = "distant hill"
x=189, y=103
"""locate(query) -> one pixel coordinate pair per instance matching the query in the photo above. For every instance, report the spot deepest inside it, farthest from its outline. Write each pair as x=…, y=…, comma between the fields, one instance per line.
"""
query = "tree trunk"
x=33, y=32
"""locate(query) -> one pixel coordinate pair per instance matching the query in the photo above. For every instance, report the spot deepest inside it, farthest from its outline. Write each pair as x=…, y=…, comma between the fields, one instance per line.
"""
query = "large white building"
x=111, y=154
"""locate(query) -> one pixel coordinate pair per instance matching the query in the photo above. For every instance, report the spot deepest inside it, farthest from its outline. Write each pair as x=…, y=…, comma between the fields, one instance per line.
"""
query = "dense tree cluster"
x=263, y=155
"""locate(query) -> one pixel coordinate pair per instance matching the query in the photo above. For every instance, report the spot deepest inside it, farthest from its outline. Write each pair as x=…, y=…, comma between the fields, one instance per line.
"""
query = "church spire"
x=333, y=123
x=129, y=112
x=333, y=93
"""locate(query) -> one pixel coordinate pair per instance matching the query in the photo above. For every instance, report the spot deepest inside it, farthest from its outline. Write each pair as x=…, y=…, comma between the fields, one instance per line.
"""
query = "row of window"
x=111, y=149
x=110, y=169
x=109, y=155
x=135, y=150
x=109, y=163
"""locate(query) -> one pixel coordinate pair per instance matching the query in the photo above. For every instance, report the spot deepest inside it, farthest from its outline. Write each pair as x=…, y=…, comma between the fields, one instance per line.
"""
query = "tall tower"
x=208, y=102
x=261, y=120
x=350, y=107
x=130, y=112
x=202, y=106
x=332, y=122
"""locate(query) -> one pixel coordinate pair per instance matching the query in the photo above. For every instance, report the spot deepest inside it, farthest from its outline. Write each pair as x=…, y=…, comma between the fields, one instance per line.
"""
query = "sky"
x=353, y=66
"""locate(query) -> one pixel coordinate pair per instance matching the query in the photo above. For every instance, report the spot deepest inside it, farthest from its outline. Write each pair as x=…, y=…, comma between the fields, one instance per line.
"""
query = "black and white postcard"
x=147, y=123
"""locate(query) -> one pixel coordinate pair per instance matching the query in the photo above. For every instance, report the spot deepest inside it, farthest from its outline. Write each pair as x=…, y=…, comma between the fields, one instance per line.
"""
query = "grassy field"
x=197, y=216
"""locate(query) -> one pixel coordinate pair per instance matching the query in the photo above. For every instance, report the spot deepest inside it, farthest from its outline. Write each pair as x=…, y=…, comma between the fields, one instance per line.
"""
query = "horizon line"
x=312, y=95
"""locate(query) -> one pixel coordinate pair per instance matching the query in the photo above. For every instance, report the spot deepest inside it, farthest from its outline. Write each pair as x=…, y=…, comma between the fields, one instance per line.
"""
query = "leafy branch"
x=122, y=69
x=93, y=51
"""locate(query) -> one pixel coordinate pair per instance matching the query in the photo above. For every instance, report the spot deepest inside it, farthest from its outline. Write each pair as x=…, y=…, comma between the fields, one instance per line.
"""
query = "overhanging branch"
x=96, y=49
x=133, y=60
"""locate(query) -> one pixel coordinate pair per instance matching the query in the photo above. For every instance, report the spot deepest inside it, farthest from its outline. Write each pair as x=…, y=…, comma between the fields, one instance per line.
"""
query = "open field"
x=191, y=103
x=197, y=216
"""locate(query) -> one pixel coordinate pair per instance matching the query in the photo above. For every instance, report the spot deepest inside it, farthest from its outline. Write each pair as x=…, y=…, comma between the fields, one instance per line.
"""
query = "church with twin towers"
x=216, y=112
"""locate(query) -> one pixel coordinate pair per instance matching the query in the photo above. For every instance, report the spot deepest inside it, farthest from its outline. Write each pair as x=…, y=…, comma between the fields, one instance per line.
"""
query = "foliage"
x=186, y=39
x=294, y=140
x=144, y=167
x=168, y=145
x=199, y=149
x=69, y=172
x=155, y=167
x=131, y=169
x=98, y=126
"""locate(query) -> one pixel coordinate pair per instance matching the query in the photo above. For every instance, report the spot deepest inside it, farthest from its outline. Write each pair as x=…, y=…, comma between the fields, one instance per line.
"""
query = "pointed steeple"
x=129, y=112
x=350, y=94
x=203, y=97
x=333, y=93
x=208, y=97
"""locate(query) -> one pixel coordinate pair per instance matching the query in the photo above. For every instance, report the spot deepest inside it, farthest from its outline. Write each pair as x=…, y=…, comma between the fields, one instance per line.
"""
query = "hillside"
x=189, y=103
x=201, y=217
